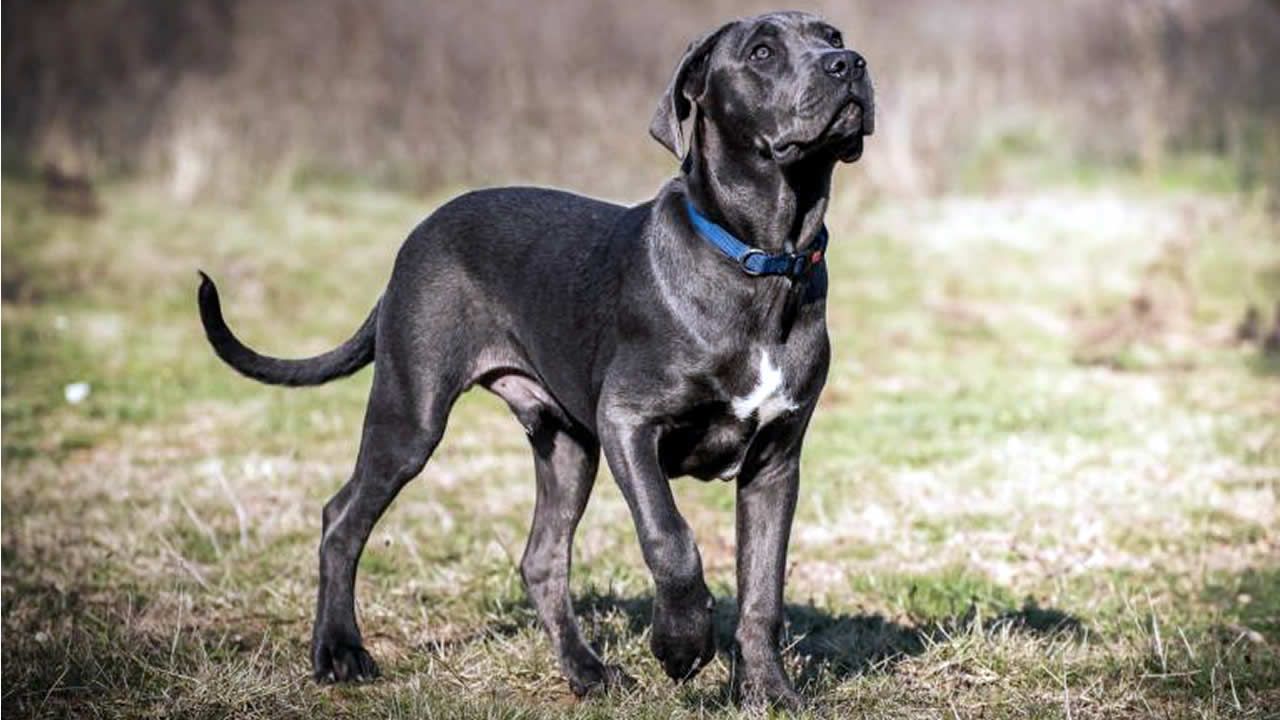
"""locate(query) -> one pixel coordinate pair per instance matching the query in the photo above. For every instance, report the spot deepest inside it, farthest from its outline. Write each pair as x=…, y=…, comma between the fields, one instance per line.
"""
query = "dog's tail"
x=341, y=361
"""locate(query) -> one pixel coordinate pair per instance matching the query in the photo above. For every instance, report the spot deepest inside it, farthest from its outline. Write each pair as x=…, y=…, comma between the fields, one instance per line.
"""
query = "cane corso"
x=683, y=336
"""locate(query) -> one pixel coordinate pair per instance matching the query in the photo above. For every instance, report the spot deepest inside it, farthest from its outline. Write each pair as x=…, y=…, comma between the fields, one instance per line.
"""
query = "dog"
x=683, y=336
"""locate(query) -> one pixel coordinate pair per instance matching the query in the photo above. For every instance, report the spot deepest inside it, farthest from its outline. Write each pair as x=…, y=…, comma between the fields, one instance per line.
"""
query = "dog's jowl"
x=683, y=336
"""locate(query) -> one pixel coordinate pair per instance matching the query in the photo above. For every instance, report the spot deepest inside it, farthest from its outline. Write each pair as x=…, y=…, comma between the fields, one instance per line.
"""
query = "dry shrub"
x=218, y=94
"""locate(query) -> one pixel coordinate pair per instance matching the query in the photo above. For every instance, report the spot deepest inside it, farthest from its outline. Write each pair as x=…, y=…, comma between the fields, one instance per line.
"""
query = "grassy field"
x=1042, y=483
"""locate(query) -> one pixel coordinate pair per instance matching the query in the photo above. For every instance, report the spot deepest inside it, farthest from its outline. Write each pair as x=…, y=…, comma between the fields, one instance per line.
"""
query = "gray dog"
x=684, y=336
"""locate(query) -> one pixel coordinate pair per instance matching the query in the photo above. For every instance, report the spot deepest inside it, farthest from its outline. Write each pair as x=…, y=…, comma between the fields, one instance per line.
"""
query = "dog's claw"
x=770, y=691
x=607, y=679
x=684, y=642
x=778, y=698
x=342, y=663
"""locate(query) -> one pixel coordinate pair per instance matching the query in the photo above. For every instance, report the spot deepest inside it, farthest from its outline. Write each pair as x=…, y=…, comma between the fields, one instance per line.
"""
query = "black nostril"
x=843, y=64
x=859, y=66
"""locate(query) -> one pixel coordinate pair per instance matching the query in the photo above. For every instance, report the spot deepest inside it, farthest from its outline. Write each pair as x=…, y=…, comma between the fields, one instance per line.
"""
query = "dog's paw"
x=683, y=637
x=772, y=691
x=599, y=679
x=342, y=662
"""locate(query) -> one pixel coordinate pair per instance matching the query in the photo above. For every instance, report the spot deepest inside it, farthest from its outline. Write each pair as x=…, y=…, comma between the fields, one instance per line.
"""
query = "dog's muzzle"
x=852, y=123
x=849, y=124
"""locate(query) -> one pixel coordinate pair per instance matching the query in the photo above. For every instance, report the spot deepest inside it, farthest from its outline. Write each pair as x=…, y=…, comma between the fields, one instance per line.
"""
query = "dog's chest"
x=712, y=439
x=767, y=398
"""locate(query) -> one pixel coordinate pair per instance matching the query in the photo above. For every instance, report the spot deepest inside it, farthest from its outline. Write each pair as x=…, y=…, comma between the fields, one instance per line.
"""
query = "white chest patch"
x=768, y=399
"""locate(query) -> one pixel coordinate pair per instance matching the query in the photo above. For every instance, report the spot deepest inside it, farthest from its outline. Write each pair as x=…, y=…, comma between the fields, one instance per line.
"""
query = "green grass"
x=1021, y=498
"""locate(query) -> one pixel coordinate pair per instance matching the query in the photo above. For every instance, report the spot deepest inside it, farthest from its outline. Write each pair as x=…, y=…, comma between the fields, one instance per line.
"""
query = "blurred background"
x=224, y=96
x=1042, y=480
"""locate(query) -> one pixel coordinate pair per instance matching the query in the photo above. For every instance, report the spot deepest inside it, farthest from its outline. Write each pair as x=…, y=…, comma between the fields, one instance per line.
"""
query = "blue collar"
x=754, y=261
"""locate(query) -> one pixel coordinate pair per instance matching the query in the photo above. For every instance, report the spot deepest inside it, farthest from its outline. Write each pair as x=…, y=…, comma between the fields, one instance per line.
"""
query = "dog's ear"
x=687, y=84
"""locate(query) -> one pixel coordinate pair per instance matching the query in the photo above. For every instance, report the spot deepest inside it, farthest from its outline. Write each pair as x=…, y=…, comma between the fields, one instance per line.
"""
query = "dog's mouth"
x=851, y=149
x=842, y=136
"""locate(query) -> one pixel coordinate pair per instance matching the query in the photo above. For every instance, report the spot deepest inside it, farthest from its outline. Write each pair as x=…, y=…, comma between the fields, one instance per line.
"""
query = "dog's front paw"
x=335, y=660
x=683, y=637
x=770, y=690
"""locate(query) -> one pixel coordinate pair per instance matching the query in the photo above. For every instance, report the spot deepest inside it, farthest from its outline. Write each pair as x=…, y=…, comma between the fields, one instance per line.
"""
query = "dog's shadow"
x=822, y=647
x=841, y=645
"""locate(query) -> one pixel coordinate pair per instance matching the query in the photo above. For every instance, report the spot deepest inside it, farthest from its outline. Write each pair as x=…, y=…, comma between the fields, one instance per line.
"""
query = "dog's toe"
x=682, y=667
x=606, y=678
x=618, y=678
x=344, y=663
x=685, y=652
x=775, y=693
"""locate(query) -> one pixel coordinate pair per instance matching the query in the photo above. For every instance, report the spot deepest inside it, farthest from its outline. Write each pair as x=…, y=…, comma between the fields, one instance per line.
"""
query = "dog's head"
x=783, y=83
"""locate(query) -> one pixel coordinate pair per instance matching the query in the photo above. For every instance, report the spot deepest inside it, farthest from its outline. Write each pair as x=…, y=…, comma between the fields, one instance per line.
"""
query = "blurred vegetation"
x=225, y=95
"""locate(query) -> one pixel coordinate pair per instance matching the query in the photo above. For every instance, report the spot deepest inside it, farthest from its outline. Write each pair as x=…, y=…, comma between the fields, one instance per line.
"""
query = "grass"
x=1021, y=497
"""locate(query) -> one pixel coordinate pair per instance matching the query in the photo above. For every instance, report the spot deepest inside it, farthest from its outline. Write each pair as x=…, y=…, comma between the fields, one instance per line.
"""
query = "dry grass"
x=1042, y=483
x=989, y=527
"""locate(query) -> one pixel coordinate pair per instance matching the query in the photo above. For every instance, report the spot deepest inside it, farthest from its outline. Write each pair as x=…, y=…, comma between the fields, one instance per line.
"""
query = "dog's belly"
x=707, y=446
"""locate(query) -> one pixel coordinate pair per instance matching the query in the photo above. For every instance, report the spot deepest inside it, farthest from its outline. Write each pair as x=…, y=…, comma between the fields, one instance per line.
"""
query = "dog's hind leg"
x=403, y=425
x=565, y=460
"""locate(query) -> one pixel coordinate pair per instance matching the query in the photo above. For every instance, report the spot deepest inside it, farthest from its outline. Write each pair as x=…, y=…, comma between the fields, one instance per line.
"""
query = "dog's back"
x=533, y=273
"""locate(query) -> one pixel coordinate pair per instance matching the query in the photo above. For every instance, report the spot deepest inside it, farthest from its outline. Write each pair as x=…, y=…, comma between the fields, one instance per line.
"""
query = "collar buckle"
x=745, y=261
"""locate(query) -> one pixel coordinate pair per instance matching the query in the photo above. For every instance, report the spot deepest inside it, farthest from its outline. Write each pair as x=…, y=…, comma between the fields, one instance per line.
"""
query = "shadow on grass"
x=836, y=646
x=92, y=650
x=74, y=651
x=823, y=647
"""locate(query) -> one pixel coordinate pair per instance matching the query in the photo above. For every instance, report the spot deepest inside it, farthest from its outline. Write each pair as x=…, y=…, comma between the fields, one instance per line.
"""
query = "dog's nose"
x=844, y=64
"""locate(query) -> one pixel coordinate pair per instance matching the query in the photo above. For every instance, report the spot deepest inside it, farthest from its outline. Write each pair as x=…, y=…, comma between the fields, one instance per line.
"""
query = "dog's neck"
x=745, y=191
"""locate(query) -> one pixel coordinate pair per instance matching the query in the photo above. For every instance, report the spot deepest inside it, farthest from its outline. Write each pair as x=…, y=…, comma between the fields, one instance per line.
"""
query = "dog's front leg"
x=766, y=503
x=682, y=637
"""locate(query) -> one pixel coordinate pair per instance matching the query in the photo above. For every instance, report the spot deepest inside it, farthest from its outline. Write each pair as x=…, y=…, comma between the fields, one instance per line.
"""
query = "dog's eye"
x=834, y=38
x=761, y=52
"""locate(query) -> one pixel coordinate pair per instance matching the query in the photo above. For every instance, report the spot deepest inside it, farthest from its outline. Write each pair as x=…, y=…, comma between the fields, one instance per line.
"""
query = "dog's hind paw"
x=606, y=678
x=343, y=663
x=775, y=693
